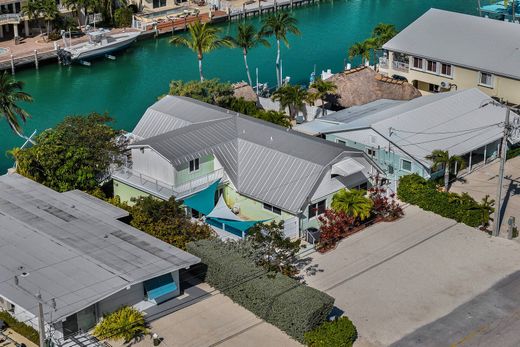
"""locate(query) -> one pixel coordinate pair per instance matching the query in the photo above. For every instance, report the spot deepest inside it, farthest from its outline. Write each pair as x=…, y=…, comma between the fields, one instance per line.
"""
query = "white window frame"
x=196, y=165
x=371, y=150
x=316, y=204
x=436, y=72
x=413, y=64
x=341, y=142
x=411, y=165
x=451, y=70
x=480, y=73
x=272, y=208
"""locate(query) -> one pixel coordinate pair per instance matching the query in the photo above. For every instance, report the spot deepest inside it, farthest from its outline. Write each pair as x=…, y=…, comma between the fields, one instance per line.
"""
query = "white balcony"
x=400, y=66
x=383, y=62
x=162, y=189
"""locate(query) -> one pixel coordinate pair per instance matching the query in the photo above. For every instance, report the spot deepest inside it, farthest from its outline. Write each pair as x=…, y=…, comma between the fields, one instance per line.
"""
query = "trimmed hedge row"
x=21, y=328
x=416, y=190
x=280, y=300
x=340, y=332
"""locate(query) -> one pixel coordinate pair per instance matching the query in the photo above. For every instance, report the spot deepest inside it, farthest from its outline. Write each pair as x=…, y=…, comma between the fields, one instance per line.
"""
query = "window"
x=446, y=70
x=316, y=209
x=417, y=63
x=158, y=3
x=194, y=165
x=341, y=142
x=433, y=88
x=273, y=209
x=431, y=66
x=486, y=79
x=371, y=152
x=406, y=165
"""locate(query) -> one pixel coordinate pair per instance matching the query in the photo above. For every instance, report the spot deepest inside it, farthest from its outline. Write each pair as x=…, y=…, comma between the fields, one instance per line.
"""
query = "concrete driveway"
x=393, y=278
x=484, y=182
x=216, y=321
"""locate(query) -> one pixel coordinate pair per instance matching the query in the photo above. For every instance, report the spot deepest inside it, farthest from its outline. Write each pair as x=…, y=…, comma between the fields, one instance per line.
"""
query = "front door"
x=86, y=318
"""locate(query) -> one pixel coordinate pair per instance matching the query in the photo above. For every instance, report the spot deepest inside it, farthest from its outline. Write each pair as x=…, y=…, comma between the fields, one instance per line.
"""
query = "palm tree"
x=486, y=207
x=371, y=44
x=75, y=6
x=11, y=93
x=361, y=49
x=322, y=89
x=353, y=202
x=248, y=38
x=32, y=9
x=127, y=323
x=279, y=25
x=383, y=33
x=293, y=97
x=50, y=11
x=202, y=39
x=440, y=158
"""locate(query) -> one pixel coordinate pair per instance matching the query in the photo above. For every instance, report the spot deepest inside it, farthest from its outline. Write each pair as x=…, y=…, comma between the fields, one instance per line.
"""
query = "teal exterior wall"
x=183, y=174
x=307, y=222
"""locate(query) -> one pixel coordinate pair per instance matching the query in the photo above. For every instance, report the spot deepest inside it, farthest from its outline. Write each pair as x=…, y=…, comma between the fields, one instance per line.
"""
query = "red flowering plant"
x=334, y=225
x=385, y=207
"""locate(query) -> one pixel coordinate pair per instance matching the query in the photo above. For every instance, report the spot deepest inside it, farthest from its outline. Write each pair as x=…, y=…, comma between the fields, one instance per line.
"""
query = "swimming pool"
x=164, y=13
x=4, y=50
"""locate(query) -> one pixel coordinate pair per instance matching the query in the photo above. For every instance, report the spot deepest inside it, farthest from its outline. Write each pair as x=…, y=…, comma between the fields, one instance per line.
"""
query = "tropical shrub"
x=513, y=152
x=461, y=207
x=123, y=17
x=280, y=300
x=353, y=202
x=21, y=328
x=125, y=324
x=75, y=154
x=384, y=206
x=334, y=225
x=340, y=332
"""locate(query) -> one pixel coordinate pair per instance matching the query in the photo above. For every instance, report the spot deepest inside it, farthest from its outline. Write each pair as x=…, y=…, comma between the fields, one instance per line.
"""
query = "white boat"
x=100, y=43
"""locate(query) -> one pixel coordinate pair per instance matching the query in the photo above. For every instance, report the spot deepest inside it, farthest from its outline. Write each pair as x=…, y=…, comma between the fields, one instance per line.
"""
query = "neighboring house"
x=444, y=51
x=398, y=135
x=72, y=249
x=155, y=5
x=266, y=172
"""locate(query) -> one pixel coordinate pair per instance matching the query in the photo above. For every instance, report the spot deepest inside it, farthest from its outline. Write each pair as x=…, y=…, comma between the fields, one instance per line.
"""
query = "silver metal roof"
x=72, y=251
x=479, y=43
x=264, y=161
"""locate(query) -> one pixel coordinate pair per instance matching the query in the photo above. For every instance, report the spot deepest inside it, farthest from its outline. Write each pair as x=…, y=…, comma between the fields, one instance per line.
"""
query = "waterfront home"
x=218, y=161
x=443, y=51
x=398, y=135
x=72, y=249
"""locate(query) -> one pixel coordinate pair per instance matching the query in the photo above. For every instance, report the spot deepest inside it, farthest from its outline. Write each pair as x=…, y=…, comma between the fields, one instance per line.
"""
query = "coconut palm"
x=10, y=94
x=293, y=97
x=383, y=33
x=49, y=11
x=321, y=90
x=279, y=24
x=353, y=202
x=202, y=39
x=248, y=38
x=440, y=158
x=361, y=49
x=32, y=10
x=487, y=208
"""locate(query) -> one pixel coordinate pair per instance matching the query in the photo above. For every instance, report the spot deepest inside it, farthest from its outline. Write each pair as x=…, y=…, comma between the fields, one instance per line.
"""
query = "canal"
x=127, y=86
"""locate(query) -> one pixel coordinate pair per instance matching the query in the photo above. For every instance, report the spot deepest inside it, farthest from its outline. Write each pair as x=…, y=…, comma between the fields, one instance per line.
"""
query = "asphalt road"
x=490, y=319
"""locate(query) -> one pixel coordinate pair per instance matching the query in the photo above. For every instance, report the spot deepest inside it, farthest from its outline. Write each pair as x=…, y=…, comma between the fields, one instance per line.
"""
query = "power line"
x=447, y=132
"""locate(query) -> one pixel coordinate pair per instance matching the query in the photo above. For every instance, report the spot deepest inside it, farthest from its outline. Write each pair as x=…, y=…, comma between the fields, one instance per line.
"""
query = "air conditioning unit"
x=445, y=85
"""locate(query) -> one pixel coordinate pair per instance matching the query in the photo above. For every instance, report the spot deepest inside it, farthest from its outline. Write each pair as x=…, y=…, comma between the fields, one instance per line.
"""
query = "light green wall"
x=126, y=192
x=183, y=174
x=313, y=222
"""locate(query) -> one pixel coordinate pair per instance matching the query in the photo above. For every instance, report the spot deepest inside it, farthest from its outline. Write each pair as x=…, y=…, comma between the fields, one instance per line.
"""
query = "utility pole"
x=503, y=152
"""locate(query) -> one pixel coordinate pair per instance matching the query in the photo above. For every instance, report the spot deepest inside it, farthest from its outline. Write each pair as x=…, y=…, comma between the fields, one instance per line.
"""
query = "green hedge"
x=280, y=300
x=418, y=191
x=337, y=333
x=21, y=328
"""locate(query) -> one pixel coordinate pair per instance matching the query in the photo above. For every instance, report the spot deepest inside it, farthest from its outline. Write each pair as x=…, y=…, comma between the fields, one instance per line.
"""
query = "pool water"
x=3, y=50
x=127, y=86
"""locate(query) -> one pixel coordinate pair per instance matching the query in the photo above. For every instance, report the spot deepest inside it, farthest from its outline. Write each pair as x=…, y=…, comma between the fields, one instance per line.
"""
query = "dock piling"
x=36, y=59
x=12, y=64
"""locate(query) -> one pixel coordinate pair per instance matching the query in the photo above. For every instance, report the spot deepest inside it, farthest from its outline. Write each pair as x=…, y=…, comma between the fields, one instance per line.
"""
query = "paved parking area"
x=394, y=278
x=484, y=182
x=215, y=321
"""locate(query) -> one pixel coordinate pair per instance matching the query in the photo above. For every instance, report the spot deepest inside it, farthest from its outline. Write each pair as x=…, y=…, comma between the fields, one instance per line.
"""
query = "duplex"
x=399, y=135
x=72, y=250
x=443, y=51
x=260, y=171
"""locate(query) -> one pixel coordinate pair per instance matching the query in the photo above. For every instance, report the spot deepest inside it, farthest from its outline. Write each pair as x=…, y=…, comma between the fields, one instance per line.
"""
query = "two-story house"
x=399, y=135
x=264, y=171
x=443, y=51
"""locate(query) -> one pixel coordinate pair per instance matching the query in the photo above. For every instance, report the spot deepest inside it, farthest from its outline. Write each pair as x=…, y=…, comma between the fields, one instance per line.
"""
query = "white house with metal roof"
x=265, y=172
x=71, y=249
x=398, y=135
x=443, y=51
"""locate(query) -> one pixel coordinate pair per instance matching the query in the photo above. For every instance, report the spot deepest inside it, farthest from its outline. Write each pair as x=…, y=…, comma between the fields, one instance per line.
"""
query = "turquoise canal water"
x=127, y=86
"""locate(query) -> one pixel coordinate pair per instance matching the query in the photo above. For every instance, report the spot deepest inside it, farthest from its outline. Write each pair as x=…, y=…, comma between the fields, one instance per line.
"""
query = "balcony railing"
x=163, y=189
x=10, y=18
x=383, y=62
x=400, y=66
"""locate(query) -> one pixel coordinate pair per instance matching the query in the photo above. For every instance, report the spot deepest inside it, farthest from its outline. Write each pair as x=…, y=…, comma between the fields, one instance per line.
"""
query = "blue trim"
x=159, y=287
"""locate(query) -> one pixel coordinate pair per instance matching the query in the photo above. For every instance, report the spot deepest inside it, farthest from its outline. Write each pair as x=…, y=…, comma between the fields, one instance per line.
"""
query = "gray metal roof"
x=455, y=121
x=173, y=112
x=479, y=43
x=72, y=251
x=264, y=161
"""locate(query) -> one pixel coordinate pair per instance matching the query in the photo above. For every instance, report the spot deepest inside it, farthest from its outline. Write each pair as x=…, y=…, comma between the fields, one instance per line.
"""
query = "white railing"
x=196, y=183
x=9, y=18
x=399, y=65
x=383, y=62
